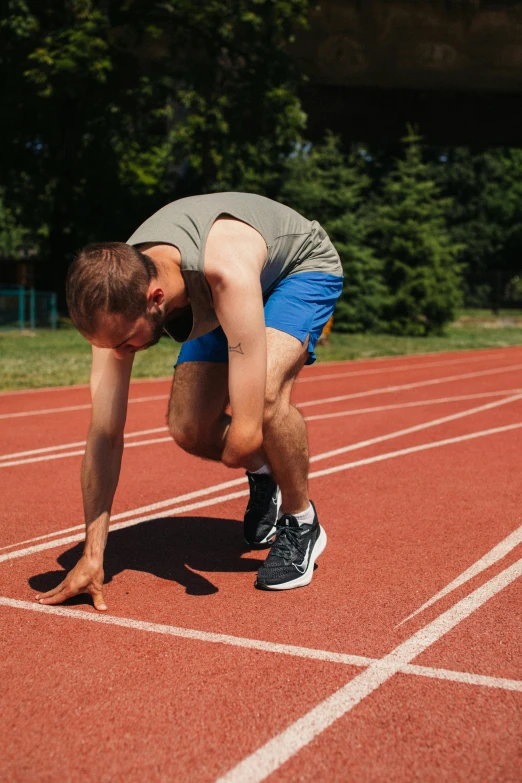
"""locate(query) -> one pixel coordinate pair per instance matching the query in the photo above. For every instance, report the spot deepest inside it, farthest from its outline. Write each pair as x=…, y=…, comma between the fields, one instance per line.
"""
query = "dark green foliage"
x=411, y=236
x=326, y=185
x=110, y=109
x=14, y=237
x=486, y=189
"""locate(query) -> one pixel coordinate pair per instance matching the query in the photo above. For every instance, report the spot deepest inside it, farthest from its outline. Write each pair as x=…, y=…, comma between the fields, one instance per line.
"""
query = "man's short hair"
x=108, y=278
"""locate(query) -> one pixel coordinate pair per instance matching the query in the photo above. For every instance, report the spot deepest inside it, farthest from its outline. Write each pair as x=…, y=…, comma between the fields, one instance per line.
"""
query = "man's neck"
x=167, y=259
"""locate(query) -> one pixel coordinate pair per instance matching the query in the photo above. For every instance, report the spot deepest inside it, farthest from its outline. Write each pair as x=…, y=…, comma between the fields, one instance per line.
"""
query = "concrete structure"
x=454, y=67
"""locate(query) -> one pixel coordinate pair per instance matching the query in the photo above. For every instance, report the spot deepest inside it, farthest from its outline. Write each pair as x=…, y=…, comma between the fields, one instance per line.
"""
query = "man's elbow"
x=116, y=440
x=109, y=437
x=238, y=455
x=235, y=459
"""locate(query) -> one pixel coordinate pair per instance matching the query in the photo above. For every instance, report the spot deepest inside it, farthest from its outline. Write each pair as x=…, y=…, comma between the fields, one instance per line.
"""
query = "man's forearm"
x=100, y=474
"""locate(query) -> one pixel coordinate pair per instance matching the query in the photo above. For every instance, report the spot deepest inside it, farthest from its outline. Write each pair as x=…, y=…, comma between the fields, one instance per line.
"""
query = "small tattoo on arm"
x=236, y=348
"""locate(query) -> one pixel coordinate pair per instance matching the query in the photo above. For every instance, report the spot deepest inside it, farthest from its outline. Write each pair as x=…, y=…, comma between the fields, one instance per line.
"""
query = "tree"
x=112, y=107
x=411, y=235
x=486, y=189
x=326, y=184
x=13, y=235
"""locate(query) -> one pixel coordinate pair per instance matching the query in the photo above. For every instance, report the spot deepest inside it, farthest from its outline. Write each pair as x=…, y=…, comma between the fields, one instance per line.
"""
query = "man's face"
x=125, y=337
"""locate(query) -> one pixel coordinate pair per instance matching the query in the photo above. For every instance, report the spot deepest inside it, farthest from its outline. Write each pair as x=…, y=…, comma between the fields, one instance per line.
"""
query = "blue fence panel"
x=22, y=308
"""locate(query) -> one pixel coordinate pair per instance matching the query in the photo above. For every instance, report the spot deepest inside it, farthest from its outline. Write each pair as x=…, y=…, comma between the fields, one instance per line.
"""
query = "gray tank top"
x=294, y=245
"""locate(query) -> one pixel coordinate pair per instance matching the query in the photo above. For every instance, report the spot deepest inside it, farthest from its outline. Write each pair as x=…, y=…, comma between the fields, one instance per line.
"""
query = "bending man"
x=246, y=284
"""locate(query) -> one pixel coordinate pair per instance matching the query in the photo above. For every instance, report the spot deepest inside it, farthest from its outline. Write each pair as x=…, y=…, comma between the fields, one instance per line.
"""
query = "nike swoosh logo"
x=301, y=567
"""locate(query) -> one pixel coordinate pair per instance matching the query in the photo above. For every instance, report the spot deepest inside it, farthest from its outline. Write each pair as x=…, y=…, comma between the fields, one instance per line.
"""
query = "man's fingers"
x=50, y=593
x=57, y=598
x=99, y=603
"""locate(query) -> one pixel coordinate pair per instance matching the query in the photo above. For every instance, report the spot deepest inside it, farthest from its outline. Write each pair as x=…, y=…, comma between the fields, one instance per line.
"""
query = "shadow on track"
x=168, y=548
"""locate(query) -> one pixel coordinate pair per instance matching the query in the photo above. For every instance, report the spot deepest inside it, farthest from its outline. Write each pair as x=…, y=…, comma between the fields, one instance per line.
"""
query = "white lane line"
x=78, y=443
x=44, y=458
x=236, y=482
x=417, y=427
x=318, y=417
x=268, y=758
x=400, y=368
x=360, y=661
x=4, y=463
x=315, y=474
x=189, y=633
x=414, y=449
x=490, y=558
x=466, y=678
x=79, y=453
x=406, y=386
x=161, y=504
x=121, y=525
x=367, y=393
x=68, y=408
x=417, y=404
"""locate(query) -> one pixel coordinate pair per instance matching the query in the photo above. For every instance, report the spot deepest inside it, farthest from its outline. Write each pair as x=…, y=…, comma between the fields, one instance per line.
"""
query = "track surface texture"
x=402, y=661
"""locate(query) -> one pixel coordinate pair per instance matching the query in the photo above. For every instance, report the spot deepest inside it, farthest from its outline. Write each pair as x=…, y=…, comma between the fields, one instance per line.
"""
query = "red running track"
x=401, y=661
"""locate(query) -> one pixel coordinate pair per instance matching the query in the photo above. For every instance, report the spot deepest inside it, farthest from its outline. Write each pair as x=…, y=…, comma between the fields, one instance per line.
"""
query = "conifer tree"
x=412, y=236
x=487, y=218
x=325, y=184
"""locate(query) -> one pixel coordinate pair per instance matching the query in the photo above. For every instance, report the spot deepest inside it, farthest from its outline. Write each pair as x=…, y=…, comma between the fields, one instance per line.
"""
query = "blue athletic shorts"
x=299, y=305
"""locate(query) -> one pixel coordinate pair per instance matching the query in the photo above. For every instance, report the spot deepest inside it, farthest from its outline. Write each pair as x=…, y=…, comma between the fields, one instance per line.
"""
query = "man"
x=246, y=284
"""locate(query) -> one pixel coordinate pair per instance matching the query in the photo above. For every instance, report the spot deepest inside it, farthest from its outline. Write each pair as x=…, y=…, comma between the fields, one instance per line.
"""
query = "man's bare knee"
x=276, y=406
x=185, y=432
x=197, y=402
x=186, y=436
x=201, y=438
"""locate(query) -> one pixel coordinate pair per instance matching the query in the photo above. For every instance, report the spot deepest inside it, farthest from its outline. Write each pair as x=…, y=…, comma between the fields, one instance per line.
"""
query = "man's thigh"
x=199, y=394
x=286, y=356
x=295, y=314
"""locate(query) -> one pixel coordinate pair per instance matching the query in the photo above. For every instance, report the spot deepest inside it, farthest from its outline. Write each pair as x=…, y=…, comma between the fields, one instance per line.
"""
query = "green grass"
x=457, y=338
x=62, y=357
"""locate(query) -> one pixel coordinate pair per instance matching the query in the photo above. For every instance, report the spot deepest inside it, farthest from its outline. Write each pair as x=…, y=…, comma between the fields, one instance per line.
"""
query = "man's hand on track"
x=85, y=577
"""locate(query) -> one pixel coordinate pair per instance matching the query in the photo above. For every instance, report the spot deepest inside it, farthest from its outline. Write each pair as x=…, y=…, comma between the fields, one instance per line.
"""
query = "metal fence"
x=26, y=308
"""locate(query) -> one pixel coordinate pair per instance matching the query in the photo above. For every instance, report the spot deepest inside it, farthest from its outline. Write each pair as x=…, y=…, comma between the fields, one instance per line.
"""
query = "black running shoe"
x=290, y=562
x=262, y=510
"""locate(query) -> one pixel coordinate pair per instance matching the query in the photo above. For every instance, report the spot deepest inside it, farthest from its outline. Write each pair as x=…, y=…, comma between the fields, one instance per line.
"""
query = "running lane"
x=415, y=729
x=160, y=470
x=490, y=641
x=100, y=703
x=401, y=527
x=28, y=421
x=399, y=530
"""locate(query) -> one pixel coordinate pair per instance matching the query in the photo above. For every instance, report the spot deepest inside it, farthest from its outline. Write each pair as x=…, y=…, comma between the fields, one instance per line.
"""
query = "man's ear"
x=155, y=296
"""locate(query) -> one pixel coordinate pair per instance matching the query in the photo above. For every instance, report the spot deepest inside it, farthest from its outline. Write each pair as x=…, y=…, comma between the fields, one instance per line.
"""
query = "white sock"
x=305, y=517
x=264, y=470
